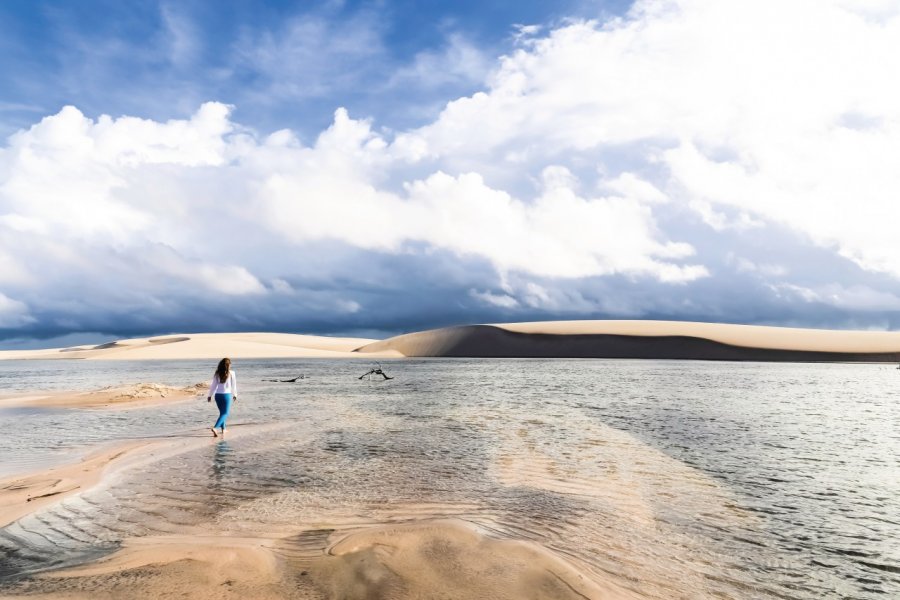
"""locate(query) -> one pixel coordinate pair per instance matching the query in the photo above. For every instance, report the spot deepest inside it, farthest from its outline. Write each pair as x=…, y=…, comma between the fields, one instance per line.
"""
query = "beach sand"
x=137, y=395
x=447, y=559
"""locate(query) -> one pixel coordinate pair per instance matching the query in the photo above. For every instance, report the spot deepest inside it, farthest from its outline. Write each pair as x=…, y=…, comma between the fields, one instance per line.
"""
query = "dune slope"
x=204, y=346
x=645, y=339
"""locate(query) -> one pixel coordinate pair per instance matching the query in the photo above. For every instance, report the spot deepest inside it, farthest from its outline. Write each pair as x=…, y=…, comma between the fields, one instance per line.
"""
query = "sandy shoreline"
x=138, y=395
x=23, y=494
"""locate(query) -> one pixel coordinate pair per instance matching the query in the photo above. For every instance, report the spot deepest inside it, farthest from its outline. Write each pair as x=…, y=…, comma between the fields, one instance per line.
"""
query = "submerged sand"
x=24, y=494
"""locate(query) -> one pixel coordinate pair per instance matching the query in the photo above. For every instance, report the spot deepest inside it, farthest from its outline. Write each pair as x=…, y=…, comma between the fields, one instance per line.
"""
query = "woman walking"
x=224, y=389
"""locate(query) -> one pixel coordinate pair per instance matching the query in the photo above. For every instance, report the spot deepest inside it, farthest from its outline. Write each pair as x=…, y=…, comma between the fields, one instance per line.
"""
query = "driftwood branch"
x=52, y=494
x=377, y=371
x=294, y=380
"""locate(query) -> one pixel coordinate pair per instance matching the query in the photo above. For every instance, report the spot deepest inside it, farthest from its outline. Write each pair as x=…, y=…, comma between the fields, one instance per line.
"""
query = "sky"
x=372, y=168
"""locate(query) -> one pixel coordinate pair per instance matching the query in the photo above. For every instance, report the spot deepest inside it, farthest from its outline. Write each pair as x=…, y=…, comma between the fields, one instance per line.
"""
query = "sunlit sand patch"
x=135, y=395
x=448, y=559
x=204, y=346
x=174, y=567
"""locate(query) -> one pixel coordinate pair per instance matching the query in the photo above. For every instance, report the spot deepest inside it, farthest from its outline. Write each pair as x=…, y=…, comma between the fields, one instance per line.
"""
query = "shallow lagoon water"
x=673, y=479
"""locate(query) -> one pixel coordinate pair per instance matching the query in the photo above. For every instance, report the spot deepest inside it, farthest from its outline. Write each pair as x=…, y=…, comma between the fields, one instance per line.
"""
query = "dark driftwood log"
x=294, y=380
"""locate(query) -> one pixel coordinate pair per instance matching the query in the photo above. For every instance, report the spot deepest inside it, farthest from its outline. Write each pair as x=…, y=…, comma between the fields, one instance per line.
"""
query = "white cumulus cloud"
x=594, y=150
x=781, y=111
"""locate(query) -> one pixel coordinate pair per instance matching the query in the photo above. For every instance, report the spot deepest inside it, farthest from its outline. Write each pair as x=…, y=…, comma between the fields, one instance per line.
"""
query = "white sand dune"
x=752, y=336
x=205, y=346
x=543, y=339
x=645, y=339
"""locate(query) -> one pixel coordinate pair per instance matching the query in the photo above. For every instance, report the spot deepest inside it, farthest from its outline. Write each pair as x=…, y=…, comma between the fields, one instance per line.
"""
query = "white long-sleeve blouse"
x=228, y=387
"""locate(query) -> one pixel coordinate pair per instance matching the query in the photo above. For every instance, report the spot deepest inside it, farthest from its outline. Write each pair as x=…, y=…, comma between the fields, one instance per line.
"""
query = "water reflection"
x=221, y=452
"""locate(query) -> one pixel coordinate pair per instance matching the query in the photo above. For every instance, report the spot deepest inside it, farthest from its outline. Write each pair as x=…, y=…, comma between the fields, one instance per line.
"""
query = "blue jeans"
x=223, y=401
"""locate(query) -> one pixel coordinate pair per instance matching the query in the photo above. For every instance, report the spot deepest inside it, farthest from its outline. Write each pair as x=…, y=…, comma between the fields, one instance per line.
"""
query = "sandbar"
x=22, y=495
x=136, y=395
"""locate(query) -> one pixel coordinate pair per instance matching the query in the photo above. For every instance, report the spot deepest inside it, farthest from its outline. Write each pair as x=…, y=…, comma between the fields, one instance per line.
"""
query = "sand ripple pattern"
x=670, y=479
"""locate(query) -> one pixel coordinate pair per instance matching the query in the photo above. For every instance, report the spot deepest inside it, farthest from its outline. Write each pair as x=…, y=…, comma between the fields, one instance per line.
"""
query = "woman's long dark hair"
x=224, y=369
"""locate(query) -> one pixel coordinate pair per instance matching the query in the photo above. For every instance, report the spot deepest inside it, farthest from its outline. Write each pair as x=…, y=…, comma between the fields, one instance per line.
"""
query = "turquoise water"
x=674, y=479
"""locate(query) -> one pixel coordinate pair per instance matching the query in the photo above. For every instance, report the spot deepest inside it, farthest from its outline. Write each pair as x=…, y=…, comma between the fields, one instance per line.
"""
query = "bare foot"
x=213, y=429
x=223, y=432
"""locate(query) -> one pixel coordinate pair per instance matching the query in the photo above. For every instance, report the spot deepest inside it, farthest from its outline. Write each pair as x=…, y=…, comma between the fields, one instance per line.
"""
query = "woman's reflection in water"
x=220, y=465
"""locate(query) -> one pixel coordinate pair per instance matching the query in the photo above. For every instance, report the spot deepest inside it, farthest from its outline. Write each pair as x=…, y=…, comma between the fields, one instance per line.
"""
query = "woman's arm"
x=212, y=387
x=233, y=386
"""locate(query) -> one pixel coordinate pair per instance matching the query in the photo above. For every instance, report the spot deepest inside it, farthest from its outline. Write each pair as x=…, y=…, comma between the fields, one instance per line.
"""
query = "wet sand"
x=398, y=556
x=429, y=558
x=385, y=552
x=448, y=559
x=23, y=495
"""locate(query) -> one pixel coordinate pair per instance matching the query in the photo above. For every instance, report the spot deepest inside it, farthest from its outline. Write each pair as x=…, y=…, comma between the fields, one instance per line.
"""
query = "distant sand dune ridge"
x=645, y=339
x=542, y=339
x=204, y=346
